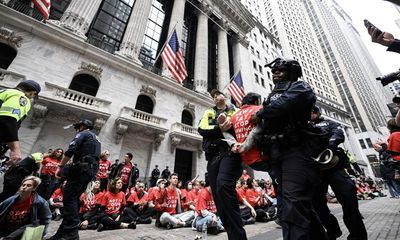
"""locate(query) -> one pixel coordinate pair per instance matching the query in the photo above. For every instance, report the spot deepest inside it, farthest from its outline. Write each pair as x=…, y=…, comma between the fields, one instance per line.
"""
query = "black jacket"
x=335, y=130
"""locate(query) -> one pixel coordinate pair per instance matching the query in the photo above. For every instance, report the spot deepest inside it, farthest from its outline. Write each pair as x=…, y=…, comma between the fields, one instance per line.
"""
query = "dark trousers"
x=137, y=215
x=109, y=222
x=103, y=184
x=77, y=182
x=223, y=171
x=297, y=174
x=345, y=192
x=47, y=187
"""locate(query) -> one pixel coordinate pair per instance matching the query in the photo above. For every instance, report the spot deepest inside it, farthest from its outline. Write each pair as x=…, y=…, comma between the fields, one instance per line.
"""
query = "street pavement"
x=381, y=218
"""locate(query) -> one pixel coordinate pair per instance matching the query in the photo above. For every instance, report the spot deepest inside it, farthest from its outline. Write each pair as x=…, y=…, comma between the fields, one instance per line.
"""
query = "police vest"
x=14, y=104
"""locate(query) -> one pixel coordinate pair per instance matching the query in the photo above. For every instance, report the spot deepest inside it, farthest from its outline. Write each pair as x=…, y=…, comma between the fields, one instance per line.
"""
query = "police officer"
x=14, y=107
x=85, y=149
x=341, y=184
x=223, y=168
x=285, y=114
x=155, y=174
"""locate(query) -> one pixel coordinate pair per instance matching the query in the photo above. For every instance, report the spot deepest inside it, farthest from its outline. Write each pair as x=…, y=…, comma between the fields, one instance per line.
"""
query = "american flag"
x=236, y=88
x=172, y=58
x=43, y=6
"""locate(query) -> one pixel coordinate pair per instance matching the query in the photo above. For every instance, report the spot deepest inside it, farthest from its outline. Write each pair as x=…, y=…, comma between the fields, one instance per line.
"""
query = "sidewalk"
x=381, y=218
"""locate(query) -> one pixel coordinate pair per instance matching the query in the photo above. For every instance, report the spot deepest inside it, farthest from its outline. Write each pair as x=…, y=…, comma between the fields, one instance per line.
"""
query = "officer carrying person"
x=223, y=167
x=341, y=184
x=285, y=115
x=85, y=149
x=15, y=104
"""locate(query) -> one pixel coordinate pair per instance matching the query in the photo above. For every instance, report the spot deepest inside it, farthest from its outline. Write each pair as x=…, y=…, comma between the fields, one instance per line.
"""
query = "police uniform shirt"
x=85, y=143
x=14, y=108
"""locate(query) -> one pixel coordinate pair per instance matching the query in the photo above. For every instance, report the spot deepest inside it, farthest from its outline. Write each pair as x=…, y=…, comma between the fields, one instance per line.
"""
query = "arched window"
x=85, y=83
x=7, y=55
x=187, y=118
x=145, y=104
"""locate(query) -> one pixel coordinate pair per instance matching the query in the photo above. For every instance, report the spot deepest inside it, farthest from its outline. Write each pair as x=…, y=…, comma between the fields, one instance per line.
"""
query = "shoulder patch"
x=22, y=101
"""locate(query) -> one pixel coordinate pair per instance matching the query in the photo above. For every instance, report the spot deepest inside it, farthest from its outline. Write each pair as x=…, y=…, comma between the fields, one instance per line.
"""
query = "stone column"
x=223, y=59
x=134, y=33
x=242, y=60
x=78, y=16
x=176, y=20
x=201, y=58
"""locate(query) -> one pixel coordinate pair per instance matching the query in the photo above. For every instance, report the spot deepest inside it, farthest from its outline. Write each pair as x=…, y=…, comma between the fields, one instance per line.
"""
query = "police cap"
x=84, y=122
x=215, y=91
x=315, y=109
x=30, y=85
x=287, y=65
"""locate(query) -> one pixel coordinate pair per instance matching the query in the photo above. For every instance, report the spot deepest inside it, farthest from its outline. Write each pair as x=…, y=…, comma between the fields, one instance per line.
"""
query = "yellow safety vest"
x=211, y=114
x=14, y=104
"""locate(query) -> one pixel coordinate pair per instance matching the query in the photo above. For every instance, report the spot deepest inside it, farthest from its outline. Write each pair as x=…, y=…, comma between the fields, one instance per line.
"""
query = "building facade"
x=100, y=60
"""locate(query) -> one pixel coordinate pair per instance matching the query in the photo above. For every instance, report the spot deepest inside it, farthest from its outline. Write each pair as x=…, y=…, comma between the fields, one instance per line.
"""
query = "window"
x=262, y=82
x=7, y=55
x=58, y=8
x=256, y=78
x=187, y=118
x=252, y=50
x=255, y=65
x=260, y=69
x=369, y=142
x=145, y=104
x=109, y=25
x=362, y=143
x=85, y=83
x=258, y=54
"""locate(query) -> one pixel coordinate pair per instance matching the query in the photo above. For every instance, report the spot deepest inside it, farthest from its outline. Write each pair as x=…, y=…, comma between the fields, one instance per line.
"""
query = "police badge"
x=22, y=101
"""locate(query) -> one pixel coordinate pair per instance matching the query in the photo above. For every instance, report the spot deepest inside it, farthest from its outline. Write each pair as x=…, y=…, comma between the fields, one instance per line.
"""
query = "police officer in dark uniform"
x=155, y=174
x=85, y=149
x=223, y=167
x=285, y=115
x=341, y=184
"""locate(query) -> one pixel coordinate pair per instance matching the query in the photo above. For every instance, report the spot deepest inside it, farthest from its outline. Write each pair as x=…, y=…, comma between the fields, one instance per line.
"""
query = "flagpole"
x=165, y=44
x=233, y=77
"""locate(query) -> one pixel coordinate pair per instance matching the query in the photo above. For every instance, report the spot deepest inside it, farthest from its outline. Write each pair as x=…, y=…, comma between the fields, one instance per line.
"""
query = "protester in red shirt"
x=255, y=199
x=124, y=171
x=48, y=173
x=90, y=201
x=104, y=167
x=112, y=206
x=245, y=176
x=138, y=205
x=247, y=212
x=26, y=209
x=56, y=201
x=206, y=211
x=393, y=147
x=193, y=195
x=172, y=215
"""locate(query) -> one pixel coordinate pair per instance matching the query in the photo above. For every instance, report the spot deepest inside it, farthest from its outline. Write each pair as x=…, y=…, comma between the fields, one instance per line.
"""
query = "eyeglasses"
x=140, y=187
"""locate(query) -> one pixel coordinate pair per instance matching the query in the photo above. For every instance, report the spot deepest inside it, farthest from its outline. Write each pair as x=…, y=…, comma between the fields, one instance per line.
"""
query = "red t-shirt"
x=49, y=166
x=113, y=202
x=104, y=166
x=88, y=205
x=205, y=202
x=193, y=196
x=251, y=197
x=242, y=125
x=171, y=199
x=126, y=172
x=19, y=214
x=394, y=145
x=58, y=194
x=241, y=193
x=135, y=198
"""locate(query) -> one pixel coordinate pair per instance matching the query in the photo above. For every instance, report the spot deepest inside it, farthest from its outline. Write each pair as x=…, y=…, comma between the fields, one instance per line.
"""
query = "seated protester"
x=56, y=201
x=138, y=205
x=247, y=212
x=112, y=208
x=172, y=215
x=26, y=209
x=104, y=167
x=130, y=191
x=194, y=194
x=48, y=173
x=90, y=202
x=16, y=173
x=206, y=212
x=155, y=194
x=185, y=194
x=255, y=199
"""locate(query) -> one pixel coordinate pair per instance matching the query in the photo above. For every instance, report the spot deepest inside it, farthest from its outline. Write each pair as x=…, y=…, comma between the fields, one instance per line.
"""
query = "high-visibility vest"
x=14, y=103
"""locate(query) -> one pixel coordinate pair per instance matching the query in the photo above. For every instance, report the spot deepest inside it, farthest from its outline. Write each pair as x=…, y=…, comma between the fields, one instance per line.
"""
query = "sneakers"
x=249, y=221
x=58, y=217
x=278, y=221
x=144, y=220
x=132, y=225
x=100, y=227
x=212, y=230
x=169, y=226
